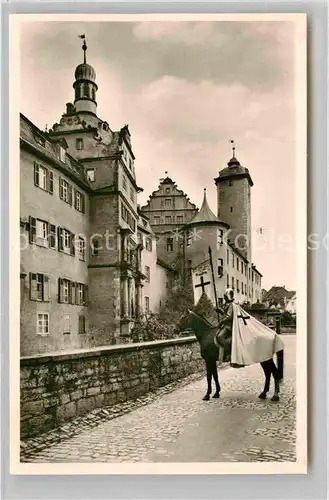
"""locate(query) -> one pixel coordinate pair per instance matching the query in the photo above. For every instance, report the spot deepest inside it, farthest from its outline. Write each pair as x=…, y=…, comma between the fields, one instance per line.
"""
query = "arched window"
x=93, y=94
x=86, y=90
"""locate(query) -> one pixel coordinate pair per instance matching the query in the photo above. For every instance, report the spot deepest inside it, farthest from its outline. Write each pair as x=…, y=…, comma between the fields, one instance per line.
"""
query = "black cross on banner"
x=202, y=284
x=244, y=318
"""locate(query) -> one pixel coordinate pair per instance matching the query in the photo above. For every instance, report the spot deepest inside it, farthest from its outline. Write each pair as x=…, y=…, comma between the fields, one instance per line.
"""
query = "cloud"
x=185, y=90
x=178, y=32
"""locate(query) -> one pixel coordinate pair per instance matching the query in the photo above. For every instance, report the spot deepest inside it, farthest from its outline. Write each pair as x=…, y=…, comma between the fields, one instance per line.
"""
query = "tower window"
x=79, y=144
x=231, y=209
x=86, y=90
x=91, y=174
x=220, y=268
x=95, y=247
x=93, y=94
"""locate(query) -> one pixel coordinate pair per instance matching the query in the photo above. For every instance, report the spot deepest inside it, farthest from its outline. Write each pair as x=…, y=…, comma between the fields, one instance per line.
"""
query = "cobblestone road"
x=180, y=427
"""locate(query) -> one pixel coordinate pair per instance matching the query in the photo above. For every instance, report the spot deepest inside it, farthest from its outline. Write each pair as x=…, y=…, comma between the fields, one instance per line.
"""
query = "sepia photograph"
x=158, y=175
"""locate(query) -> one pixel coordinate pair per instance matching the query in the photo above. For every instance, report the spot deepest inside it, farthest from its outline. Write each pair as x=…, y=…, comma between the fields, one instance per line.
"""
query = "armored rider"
x=223, y=337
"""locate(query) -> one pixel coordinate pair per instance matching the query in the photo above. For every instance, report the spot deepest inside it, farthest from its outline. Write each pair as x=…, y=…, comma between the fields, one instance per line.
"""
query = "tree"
x=180, y=297
x=205, y=308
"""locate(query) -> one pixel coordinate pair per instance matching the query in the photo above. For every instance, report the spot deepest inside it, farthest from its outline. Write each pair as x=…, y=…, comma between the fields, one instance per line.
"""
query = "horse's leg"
x=267, y=368
x=215, y=375
x=209, y=376
x=276, y=376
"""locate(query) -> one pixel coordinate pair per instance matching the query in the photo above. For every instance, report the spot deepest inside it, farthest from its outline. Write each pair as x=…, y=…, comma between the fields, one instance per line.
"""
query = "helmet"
x=229, y=294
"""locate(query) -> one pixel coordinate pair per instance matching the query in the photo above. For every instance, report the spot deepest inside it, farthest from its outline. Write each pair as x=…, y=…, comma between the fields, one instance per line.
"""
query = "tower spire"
x=84, y=48
x=233, y=147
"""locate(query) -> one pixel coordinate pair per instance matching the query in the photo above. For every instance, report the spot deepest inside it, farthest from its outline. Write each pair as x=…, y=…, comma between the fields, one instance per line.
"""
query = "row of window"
x=127, y=217
x=235, y=284
x=69, y=292
x=125, y=187
x=168, y=219
x=44, y=179
x=127, y=159
x=43, y=233
x=43, y=324
x=240, y=264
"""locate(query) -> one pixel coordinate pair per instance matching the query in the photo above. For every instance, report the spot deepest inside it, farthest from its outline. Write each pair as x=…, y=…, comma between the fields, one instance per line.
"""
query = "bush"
x=151, y=327
x=287, y=319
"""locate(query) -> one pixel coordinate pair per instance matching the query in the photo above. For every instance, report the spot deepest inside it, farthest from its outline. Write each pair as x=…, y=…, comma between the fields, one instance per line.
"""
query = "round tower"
x=234, y=203
x=85, y=87
x=205, y=231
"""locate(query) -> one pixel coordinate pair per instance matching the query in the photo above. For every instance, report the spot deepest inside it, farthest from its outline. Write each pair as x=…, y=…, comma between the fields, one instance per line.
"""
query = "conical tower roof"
x=205, y=214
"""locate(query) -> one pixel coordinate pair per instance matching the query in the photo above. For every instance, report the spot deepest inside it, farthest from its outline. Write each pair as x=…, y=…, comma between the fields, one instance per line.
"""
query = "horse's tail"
x=280, y=361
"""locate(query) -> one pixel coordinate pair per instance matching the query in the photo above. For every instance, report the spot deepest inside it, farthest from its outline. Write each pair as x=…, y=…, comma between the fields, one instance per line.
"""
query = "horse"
x=205, y=333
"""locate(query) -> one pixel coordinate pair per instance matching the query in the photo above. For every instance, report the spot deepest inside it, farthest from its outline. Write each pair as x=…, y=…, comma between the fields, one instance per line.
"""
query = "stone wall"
x=56, y=388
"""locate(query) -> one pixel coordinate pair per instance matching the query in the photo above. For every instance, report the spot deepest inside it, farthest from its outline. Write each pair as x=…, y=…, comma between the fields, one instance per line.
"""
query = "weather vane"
x=233, y=147
x=84, y=47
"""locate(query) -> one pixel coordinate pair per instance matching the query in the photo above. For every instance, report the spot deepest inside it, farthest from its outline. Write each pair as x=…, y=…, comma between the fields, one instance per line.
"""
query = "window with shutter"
x=76, y=286
x=52, y=236
x=46, y=288
x=60, y=239
x=33, y=229
x=69, y=194
x=72, y=237
x=65, y=291
x=82, y=324
x=42, y=233
x=72, y=292
x=33, y=287
x=81, y=248
x=50, y=182
x=61, y=188
x=36, y=174
x=59, y=290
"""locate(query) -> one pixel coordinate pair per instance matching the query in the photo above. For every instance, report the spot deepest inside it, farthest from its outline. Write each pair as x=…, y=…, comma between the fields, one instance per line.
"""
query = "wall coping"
x=102, y=351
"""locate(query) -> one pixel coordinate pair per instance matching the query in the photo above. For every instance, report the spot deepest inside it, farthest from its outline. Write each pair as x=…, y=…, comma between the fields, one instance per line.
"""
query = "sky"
x=185, y=90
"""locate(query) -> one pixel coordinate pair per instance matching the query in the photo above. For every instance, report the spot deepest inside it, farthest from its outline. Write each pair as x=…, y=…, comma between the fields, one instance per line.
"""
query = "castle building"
x=92, y=261
x=228, y=235
x=82, y=270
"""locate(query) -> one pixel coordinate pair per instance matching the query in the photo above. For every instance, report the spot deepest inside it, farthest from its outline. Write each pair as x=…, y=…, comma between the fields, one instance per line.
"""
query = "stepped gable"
x=167, y=181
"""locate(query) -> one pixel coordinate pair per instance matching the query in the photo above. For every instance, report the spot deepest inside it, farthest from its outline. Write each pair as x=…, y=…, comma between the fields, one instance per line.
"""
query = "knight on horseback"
x=223, y=336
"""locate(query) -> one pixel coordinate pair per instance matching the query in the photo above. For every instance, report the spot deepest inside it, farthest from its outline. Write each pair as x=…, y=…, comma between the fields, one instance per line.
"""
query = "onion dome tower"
x=85, y=87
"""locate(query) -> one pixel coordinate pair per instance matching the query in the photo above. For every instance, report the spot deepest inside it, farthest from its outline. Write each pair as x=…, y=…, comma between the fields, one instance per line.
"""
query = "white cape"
x=252, y=341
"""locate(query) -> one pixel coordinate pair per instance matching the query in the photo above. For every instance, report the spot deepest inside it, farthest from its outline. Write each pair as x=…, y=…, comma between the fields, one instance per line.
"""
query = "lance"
x=213, y=281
